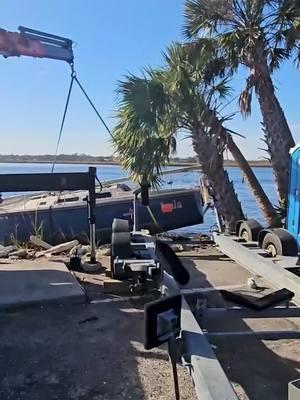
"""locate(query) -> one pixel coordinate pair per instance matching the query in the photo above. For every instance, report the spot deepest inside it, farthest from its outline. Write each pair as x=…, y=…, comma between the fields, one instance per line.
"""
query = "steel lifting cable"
x=74, y=78
x=92, y=104
x=63, y=119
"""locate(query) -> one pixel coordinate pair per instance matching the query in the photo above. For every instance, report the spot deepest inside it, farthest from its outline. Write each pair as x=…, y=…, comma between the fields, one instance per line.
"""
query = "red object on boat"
x=166, y=207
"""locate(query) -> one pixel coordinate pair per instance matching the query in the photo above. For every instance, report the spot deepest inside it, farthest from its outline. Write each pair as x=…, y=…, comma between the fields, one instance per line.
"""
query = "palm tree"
x=149, y=119
x=163, y=102
x=259, y=194
x=250, y=33
x=255, y=187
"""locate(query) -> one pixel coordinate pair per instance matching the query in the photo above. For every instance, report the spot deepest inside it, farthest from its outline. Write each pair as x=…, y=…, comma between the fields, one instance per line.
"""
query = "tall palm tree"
x=187, y=86
x=149, y=118
x=163, y=102
x=255, y=187
x=250, y=33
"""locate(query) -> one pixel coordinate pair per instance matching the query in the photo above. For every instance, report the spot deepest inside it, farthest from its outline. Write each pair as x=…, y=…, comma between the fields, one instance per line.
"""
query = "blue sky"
x=112, y=38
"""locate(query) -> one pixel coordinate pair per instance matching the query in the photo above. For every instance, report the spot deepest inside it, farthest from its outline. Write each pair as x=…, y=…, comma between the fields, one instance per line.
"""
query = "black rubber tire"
x=120, y=247
x=249, y=230
x=120, y=225
x=120, y=244
x=283, y=241
x=272, y=240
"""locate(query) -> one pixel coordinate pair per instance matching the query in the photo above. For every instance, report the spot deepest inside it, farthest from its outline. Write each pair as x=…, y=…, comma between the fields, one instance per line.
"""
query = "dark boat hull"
x=167, y=211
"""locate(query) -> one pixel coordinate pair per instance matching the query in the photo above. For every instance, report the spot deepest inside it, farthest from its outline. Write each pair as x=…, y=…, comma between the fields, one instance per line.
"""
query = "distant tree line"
x=88, y=159
x=75, y=157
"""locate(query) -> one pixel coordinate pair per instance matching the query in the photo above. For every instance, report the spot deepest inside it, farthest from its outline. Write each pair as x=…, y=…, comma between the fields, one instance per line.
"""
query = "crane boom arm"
x=32, y=43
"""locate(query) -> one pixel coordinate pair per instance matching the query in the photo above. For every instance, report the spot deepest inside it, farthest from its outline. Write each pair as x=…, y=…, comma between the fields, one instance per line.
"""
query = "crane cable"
x=74, y=78
x=63, y=120
x=92, y=104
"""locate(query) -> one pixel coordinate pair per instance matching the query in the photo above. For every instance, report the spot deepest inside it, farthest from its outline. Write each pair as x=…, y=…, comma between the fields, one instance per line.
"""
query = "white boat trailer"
x=282, y=271
x=210, y=380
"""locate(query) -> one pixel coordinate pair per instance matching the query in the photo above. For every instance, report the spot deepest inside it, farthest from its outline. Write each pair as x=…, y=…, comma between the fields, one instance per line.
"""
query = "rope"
x=63, y=119
x=153, y=217
x=74, y=78
x=92, y=104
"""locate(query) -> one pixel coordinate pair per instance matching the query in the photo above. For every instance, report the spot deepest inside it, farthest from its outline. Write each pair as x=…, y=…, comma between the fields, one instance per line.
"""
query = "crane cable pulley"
x=74, y=78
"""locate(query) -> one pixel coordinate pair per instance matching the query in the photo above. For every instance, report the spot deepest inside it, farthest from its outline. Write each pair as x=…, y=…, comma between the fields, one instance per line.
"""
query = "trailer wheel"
x=249, y=230
x=279, y=242
x=120, y=225
x=120, y=247
x=272, y=245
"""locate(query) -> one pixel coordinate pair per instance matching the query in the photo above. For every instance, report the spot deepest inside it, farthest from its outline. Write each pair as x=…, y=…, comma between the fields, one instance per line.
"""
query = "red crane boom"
x=33, y=43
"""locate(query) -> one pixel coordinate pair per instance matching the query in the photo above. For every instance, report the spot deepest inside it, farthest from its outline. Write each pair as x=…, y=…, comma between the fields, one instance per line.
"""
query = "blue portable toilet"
x=293, y=213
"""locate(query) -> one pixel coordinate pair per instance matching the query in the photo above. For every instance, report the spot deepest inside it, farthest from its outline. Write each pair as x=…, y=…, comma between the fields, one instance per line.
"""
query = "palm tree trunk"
x=258, y=192
x=255, y=187
x=278, y=137
x=211, y=161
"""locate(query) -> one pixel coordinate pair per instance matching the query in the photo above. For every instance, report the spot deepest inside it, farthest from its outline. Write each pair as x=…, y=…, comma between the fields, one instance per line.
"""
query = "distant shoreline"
x=227, y=163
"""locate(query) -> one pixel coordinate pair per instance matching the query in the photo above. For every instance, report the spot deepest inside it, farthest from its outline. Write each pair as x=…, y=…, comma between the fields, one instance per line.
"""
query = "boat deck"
x=95, y=351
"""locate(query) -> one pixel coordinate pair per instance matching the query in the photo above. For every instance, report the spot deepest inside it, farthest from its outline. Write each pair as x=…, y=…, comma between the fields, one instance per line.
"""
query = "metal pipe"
x=263, y=335
x=42, y=35
x=172, y=353
x=93, y=242
x=252, y=260
x=135, y=213
x=244, y=313
x=92, y=215
x=209, y=378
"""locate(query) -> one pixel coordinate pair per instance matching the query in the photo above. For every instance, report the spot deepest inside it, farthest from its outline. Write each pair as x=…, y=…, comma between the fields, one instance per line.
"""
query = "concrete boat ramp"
x=38, y=282
x=89, y=345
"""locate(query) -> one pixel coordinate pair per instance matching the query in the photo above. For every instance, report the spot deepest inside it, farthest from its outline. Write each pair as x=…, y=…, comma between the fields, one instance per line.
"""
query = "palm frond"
x=245, y=98
x=206, y=15
x=238, y=26
x=222, y=88
x=276, y=56
x=144, y=98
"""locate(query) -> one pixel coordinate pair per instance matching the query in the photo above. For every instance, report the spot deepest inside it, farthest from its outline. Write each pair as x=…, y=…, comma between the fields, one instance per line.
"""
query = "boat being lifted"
x=58, y=216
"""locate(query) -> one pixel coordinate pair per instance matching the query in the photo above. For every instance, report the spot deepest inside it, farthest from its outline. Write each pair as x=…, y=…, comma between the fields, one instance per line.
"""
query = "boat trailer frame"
x=279, y=273
x=210, y=380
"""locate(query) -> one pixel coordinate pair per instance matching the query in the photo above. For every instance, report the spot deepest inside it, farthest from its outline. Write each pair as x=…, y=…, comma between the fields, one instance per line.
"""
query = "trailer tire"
x=272, y=244
x=120, y=225
x=279, y=242
x=249, y=230
x=120, y=247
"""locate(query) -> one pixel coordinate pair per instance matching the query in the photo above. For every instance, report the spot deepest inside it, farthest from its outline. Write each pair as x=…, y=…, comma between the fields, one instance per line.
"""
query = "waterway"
x=186, y=179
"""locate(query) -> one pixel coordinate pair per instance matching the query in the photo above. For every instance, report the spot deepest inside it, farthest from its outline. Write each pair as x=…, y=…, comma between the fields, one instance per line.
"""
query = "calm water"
x=187, y=179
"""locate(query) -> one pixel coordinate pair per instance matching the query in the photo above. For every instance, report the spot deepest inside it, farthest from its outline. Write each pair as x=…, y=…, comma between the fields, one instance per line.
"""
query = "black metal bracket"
x=162, y=321
x=48, y=181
